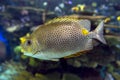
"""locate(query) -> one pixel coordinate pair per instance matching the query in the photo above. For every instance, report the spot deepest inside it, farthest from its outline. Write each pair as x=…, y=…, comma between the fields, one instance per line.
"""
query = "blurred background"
x=19, y=17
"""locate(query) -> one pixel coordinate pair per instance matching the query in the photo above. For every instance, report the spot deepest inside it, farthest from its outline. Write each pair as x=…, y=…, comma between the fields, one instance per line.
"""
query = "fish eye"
x=28, y=42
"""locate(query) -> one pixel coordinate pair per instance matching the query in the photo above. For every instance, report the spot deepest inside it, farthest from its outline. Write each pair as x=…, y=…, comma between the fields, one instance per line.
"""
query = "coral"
x=17, y=49
x=32, y=62
x=10, y=69
x=116, y=76
x=70, y=77
x=17, y=71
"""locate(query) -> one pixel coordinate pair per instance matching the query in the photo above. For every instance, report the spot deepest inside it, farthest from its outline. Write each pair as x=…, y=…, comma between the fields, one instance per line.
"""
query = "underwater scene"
x=59, y=39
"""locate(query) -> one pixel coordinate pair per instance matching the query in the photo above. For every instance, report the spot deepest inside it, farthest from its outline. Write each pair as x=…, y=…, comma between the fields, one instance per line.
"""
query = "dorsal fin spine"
x=61, y=19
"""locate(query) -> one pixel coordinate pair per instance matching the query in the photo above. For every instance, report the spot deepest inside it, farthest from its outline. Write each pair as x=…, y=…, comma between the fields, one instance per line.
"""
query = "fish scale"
x=66, y=38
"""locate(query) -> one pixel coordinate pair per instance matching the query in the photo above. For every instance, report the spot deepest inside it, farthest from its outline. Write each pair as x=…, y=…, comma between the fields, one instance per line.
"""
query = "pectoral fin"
x=86, y=24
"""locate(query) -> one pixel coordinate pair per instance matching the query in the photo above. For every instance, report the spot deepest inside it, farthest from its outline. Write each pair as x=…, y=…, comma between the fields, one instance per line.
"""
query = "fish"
x=78, y=8
x=61, y=37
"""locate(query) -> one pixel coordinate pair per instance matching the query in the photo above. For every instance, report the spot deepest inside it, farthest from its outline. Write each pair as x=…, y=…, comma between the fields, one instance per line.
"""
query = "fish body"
x=61, y=37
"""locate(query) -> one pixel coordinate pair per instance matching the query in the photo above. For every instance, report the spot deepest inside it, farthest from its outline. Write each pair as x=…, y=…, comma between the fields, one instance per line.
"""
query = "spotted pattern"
x=60, y=39
x=64, y=37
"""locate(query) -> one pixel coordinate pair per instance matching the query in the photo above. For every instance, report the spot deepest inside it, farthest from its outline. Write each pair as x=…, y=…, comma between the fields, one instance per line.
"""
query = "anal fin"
x=76, y=54
x=88, y=47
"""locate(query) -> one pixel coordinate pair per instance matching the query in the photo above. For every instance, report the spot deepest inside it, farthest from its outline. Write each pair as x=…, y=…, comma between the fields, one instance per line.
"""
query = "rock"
x=68, y=76
x=54, y=76
x=116, y=75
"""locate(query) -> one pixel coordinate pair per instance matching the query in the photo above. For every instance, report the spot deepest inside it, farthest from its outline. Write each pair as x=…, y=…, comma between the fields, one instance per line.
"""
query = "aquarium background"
x=19, y=17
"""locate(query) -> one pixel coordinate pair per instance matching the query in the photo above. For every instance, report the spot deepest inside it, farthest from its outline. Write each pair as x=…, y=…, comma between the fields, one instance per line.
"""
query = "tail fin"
x=99, y=33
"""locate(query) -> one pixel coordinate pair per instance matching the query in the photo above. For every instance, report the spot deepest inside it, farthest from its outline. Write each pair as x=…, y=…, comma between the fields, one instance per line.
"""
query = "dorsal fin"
x=86, y=24
x=61, y=19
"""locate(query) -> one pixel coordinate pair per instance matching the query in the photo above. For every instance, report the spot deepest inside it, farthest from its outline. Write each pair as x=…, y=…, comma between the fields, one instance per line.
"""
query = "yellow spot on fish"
x=118, y=18
x=85, y=31
x=22, y=40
